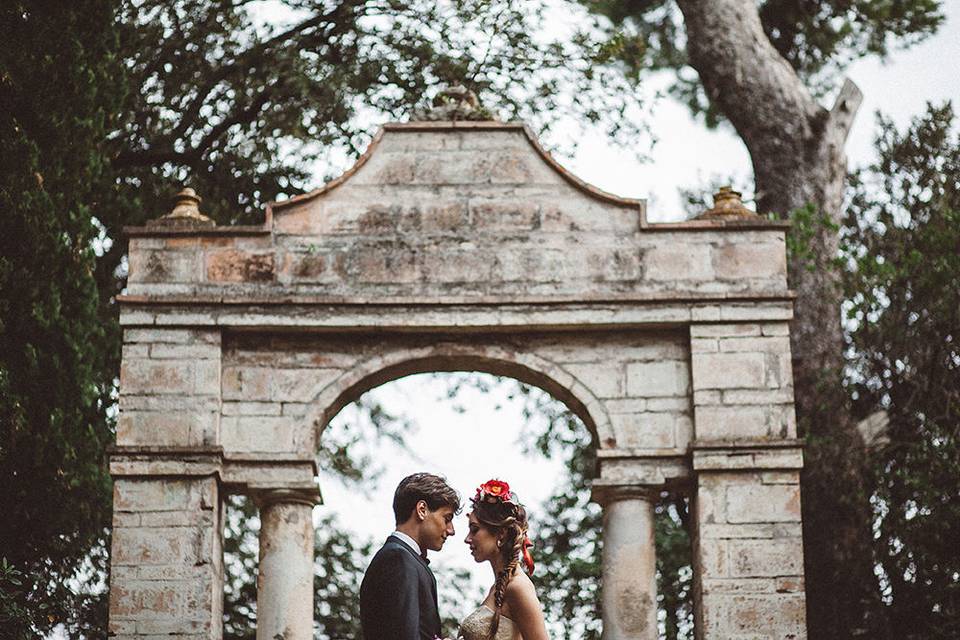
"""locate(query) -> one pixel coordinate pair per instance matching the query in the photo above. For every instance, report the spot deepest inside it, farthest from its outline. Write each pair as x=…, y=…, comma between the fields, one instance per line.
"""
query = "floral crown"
x=493, y=492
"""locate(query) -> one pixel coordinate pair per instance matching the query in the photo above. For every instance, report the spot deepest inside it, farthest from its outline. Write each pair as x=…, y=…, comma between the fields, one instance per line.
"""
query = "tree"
x=761, y=67
x=237, y=104
x=56, y=105
x=902, y=245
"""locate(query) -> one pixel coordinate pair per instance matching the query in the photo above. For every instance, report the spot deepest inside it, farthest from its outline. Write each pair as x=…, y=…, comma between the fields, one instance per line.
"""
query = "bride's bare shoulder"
x=521, y=598
x=520, y=588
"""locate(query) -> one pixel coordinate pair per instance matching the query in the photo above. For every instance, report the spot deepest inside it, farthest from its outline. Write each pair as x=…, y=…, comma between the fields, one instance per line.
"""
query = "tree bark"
x=796, y=147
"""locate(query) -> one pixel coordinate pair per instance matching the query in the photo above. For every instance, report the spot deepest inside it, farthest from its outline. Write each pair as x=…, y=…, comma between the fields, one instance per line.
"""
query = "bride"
x=498, y=535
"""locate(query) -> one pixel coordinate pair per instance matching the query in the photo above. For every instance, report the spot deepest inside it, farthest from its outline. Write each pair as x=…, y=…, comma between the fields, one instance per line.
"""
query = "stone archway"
x=450, y=355
x=456, y=245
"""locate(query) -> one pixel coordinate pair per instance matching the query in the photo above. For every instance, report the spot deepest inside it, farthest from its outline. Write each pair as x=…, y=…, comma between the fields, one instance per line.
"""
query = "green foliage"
x=14, y=614
x=808, y=222
x=243, y=101
x=817, y=38
x=902, y=241
x=59, y=83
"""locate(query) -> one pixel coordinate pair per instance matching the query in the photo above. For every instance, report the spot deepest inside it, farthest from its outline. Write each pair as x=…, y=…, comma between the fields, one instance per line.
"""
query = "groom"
x=398, y=595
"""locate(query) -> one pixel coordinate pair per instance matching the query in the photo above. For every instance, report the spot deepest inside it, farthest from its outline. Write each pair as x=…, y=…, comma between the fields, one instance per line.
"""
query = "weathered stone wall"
x=458, y=213
x=748, y=545
x=170, y=387
x=166, y=563
x=638, y=382
x=457, y=246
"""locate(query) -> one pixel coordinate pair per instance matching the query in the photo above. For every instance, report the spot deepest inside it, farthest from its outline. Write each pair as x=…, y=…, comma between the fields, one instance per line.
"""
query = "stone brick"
x=259, y=434
x=158, y=377
x=704, y=345
x=231, y=265
x=713, y=559
x=300, y=385
x=775, y=344
x=765, y=558
x=154, y=545
x=727, y=423
x=164, y=266
x=196, y=351
x=781, y=616
x=381, y=264
x=182, y=428
x=677, y=404
x=705, y=313
x=748, y=260
x=778, y=329
x=247, y=383
x=724, y=330
x=782, y=395
x=679, y=262
x=176, y=336
x=702, y=397
x=136, y=495
x=651, y=379
x=763, y=503
x=684, y=432
x=429, y=235
x=625, y=405
x=168, y=403
x=754, y=531
x=729, y=371
x=504, y=216
x=645, y=430
x=135, y=351
x=251, y=408
x=604, y=380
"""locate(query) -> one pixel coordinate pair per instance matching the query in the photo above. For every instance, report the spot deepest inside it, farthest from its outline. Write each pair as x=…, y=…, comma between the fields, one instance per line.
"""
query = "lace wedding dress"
x=476, y=626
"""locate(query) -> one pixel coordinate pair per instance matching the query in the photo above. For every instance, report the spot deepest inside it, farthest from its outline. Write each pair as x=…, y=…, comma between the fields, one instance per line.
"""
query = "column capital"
x=605, y=492
x=268, y=497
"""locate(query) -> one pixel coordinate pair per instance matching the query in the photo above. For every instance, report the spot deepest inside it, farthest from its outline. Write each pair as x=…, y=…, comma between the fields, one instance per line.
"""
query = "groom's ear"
x=421, y=510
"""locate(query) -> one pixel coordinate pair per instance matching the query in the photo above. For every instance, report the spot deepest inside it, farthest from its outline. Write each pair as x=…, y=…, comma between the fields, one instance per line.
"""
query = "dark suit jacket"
x=398, y=596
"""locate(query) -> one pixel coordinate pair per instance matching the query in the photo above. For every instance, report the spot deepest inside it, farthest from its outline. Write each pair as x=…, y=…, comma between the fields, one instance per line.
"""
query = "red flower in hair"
x=494, y=491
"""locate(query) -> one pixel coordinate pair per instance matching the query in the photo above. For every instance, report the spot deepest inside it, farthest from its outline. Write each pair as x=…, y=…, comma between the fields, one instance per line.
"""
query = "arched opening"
x=520, y=403
x=457, y=357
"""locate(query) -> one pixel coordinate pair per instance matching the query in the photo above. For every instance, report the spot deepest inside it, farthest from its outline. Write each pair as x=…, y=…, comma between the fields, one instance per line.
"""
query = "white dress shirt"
x=400, y=535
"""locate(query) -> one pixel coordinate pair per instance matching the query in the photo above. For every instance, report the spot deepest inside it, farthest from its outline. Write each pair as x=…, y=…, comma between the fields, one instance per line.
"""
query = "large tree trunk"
x=799, y=166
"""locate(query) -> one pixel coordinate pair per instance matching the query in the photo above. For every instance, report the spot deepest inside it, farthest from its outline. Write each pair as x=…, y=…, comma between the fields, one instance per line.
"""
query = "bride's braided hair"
x=503, y=514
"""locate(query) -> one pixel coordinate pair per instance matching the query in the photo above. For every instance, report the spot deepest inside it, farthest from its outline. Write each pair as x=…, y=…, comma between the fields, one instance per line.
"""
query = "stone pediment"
x=456, y=211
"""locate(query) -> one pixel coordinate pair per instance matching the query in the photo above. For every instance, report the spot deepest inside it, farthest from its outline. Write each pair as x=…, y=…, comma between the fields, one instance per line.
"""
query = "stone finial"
x=185, y=213
x=727, y=205
x=454, y=103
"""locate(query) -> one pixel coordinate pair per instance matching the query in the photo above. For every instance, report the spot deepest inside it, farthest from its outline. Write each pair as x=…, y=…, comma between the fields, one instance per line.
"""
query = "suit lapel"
x=411, y=551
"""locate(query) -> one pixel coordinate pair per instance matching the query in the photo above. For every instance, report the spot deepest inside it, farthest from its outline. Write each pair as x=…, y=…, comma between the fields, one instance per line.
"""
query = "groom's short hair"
x=428, y=487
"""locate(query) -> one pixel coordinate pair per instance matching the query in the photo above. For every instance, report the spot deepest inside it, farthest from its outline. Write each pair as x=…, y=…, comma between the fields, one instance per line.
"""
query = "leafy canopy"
x=902, y=243
x=56, y=379
x=817, y=38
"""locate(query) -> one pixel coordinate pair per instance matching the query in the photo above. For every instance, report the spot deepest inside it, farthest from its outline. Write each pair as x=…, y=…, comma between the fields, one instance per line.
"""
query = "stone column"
x=629, y=561
x=166, y=564
x=285, y=580
x=748, y=549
